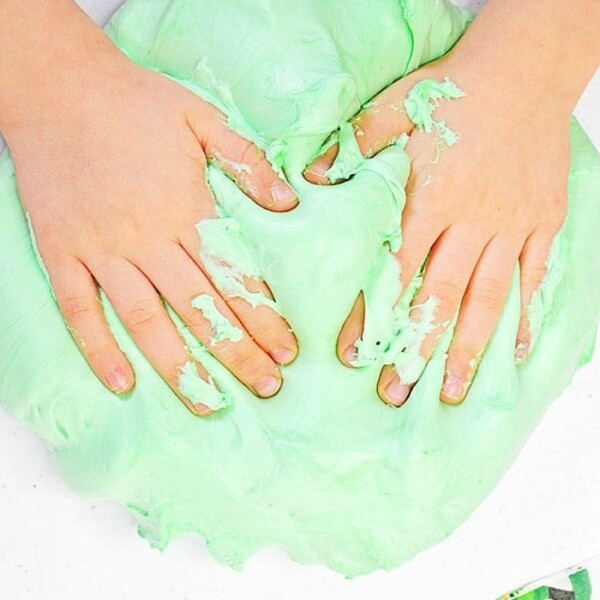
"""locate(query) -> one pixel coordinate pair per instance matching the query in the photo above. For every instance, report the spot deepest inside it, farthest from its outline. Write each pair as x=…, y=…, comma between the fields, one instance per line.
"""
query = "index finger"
x=379, y=124
x=245, y=163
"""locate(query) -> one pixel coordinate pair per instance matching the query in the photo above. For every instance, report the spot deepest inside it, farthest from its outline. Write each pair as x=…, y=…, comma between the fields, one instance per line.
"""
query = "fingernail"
x=117, y=381
x=349, y=354
x=397, y=392
x=284, y=356
x=521, y=352
x=268, y=386
x=282, y=193
x=454, y=388
x=319, y=168
x=202, y=410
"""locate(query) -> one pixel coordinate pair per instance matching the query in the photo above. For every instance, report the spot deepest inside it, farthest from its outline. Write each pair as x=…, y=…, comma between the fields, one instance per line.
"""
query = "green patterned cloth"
x=575, y=583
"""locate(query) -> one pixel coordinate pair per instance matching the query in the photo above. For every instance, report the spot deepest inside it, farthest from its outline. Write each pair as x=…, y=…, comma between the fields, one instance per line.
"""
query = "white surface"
x=544, y=516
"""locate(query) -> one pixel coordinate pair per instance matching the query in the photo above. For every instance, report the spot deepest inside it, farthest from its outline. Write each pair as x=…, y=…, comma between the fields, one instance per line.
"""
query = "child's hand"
x=112, y=172
x=495, y=198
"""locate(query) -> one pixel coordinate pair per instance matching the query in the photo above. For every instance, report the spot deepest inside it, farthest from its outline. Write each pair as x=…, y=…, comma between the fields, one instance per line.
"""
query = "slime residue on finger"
x=222, y=327
x=199, y=391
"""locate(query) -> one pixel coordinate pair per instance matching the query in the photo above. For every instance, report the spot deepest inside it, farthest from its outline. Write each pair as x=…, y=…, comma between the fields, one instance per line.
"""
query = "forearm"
x=549, y=46
x=45, y=46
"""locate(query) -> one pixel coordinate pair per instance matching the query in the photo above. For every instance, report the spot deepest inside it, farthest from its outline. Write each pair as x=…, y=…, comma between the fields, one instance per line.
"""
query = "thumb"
x=243, y=161
x=378, y=125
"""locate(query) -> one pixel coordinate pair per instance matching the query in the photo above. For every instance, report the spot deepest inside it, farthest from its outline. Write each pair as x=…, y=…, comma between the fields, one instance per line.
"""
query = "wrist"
x=47, y=62
x=538, y=52
x=59, y=87
x=512, y=92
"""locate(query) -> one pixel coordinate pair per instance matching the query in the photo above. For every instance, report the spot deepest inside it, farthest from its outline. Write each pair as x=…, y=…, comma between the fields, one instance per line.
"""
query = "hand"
x=475, y=209
x=112, y=173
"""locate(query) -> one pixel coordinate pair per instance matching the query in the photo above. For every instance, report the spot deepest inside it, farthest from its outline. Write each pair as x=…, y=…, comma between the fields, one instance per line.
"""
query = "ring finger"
x=144, y=315
x=202, y=309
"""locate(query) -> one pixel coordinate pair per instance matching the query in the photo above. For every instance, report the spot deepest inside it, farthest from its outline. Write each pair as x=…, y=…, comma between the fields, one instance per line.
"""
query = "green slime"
x=324, y=469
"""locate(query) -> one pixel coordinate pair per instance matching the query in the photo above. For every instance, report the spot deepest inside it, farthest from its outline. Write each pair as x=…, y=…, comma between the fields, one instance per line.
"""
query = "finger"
x=317, y=171
x=243, y=161
x=447, y=272
x=77, y=296
x=143, y=314
x=265, y=326
x=391, y=390
x=481, y=308
x=351, y=331
x=534, y=266
x=420, y=230
x=183, y=285
x=379, y=124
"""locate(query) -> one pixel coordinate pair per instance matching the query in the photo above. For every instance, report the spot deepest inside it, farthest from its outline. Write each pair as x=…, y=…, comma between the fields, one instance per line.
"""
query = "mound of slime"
x=324, y=470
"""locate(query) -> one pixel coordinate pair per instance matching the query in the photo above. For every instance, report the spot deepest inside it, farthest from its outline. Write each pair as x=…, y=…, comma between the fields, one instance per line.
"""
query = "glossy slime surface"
x=324, y=469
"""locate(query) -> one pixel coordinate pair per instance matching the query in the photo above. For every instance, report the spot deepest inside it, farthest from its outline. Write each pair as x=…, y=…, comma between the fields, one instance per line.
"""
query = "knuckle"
x=556, y=212
x=267, y=325
x=460, y=357
x=77, y=307
x=523, y=333
x=197, y=321
x=554, y=221
x=524, y=325
x=250, y=153
x=430, y=343
x=246, y=363
x=194, y=318
x=559, y=201
x=447, y=292
x=259, y=330
x=535, y=275
x=100, y=354
x=242, y=359
x=172, y=372
x=141, y=317
x=487, y=294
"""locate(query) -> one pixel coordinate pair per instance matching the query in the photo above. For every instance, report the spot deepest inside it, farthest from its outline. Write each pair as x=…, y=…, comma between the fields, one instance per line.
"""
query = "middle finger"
x=447, y=273
x=183, y=285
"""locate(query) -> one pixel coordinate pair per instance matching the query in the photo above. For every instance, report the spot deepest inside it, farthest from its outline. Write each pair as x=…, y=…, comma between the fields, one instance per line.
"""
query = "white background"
x=544, y=516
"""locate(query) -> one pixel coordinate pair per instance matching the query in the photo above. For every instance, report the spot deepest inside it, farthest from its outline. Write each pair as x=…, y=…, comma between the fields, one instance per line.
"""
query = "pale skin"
x=496, y=198
x=110, y=162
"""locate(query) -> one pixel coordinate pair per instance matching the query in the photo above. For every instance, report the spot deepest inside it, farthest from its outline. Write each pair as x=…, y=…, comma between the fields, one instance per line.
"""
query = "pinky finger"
x=534, y=266
x=77, y=296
